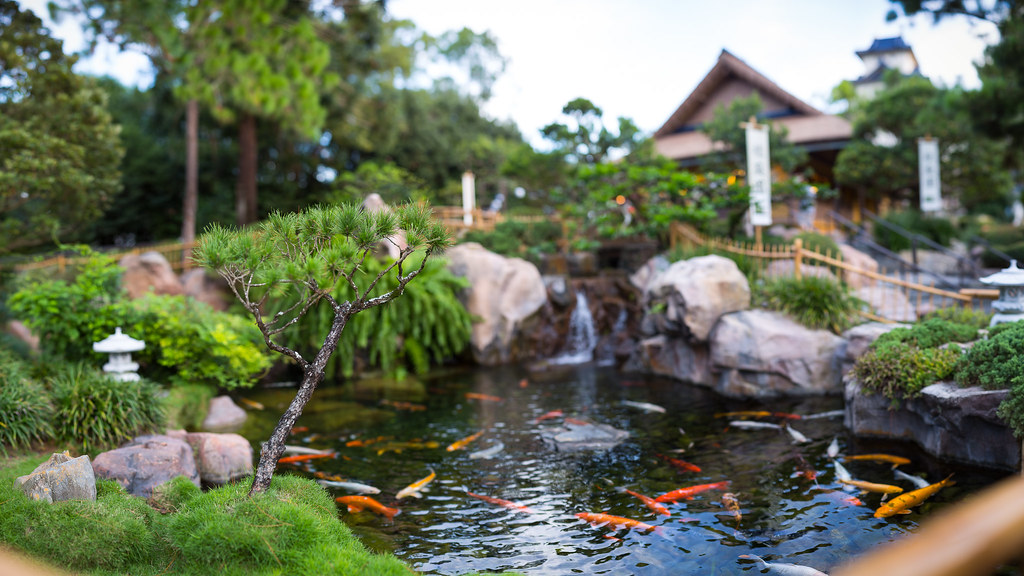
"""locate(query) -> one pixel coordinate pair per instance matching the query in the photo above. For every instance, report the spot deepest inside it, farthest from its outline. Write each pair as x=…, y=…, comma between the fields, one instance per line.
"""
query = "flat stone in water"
x=574, y=437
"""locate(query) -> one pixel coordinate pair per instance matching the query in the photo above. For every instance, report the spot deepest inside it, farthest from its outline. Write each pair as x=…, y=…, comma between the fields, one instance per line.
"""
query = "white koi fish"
x=754, y=425
x=843, y=475
x=785, y=569
x=798, y=438
x=645, y=406
x=417, y=488
x=303, y=450
x=350, y=486
x=917, y=481
x=488, y=452
x=829, y=414
x=833, y=449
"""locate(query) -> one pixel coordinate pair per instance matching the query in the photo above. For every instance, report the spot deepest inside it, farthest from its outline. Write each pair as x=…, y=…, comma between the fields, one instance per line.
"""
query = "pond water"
x=785, y=513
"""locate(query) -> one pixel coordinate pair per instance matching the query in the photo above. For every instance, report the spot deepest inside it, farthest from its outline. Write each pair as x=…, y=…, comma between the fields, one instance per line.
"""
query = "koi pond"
x=783, y=500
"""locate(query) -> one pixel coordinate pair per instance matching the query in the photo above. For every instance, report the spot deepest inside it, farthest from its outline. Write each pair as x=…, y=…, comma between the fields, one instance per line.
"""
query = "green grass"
x=816, y=302
x=291, y=529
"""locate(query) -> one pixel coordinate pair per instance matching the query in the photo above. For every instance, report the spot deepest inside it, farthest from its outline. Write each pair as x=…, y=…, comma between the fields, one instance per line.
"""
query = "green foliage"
x=900, y=371
x=584, y=139
x=94, y=412
x=935, y=228
x=816, y=302
x=25, y=410
x=426, y=326
x=394, y=184
x=820, y=243
x=724, y=128
x=1006, y=238
x=929, y=333
x=513, y=238
x=964, y=315
x=187, y=341
x=186, y=405
x=1012, y=408
x=990, y=363
x=293, y=528
x=59, y=150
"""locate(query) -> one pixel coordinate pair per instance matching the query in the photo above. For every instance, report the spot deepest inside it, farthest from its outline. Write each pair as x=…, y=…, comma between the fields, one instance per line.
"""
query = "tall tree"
x=294, y=261
x=584, y=138
x=59, y=149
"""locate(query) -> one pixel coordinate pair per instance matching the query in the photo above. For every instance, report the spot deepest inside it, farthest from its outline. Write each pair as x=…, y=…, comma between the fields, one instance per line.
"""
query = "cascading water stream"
x=582, y=335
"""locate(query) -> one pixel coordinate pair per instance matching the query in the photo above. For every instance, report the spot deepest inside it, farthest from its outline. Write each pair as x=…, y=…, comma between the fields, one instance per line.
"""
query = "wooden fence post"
x=798, y=245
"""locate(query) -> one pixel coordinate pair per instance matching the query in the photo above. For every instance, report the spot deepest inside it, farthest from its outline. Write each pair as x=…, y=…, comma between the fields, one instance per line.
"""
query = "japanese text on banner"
x=759, y=176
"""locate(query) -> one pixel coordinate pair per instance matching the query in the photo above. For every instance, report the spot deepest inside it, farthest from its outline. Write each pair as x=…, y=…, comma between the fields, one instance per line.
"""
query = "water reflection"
x=792, y=508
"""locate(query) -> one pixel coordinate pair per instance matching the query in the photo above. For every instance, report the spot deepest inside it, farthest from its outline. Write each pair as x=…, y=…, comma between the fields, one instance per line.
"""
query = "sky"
x=641, y=58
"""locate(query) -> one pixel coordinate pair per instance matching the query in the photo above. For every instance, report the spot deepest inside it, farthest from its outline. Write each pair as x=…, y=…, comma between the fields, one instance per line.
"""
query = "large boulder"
x=673, y=357
x=221, y=458
x=762, y=354
x=648, y=271
x=857, y=341
x=577, y=436
x=224, y=415
x=60, y=478
x=147, y=462
x=691, y=295
x=947, y=421
x=201, y=285
x=504, y=293
x=149, y=272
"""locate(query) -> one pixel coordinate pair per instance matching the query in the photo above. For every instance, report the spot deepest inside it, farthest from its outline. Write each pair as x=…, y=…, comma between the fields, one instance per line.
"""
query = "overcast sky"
x=641, y=58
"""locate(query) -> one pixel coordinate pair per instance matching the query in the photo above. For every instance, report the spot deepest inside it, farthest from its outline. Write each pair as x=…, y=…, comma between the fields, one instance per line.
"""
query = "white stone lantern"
x=120, y=346
x=1009, y=306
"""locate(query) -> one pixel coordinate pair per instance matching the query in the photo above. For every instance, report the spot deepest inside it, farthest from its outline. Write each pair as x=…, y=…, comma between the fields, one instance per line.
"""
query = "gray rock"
x=224, y=415
x=60, y=478
x=693, y=294
x=221, y=458
x=559, y=292
x=149, y=271
x=146, y=462
x=643, y=276
x=574, y=437
x=947, y=421
x=762, y=354
x=673, y=357
x=504, y=293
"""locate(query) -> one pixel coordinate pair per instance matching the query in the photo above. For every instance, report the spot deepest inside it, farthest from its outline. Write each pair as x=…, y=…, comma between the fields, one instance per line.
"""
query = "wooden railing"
x=894, y=296
x=177, y=254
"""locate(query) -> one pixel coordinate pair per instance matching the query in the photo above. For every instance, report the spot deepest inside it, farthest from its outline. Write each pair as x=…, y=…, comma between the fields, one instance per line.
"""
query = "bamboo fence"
x=890, y=296
x=179, y=255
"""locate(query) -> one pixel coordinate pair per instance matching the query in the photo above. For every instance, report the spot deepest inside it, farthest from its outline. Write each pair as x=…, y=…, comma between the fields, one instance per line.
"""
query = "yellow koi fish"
x=872, y=487
x=902, y=503
x=888, y=458
x=460, y=444
x=251, y=403
x=397, y=447
x=416, y=488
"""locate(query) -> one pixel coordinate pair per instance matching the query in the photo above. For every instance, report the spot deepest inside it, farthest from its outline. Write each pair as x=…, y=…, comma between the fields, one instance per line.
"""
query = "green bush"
x=936, y=229
x=512, y=238
x=964, y=315
x=899, y=371
x=93, y=411
x=187, y=341
x=990, y=363
x=25, y=410
x=929, y=333
x=426, y=326
x=816, y=302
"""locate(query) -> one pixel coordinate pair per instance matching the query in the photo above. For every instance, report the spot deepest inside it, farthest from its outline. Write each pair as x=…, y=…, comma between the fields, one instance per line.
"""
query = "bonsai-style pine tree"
x=295, y=261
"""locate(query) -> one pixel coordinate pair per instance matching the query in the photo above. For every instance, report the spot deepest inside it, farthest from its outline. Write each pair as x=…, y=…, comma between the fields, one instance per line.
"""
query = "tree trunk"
x=273, y=448
x=191, y=202
x=245, y=193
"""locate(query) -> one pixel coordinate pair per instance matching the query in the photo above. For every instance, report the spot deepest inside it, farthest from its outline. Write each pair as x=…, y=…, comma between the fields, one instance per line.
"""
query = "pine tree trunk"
x=191, y=202
x=245, y=193
x=273, y=448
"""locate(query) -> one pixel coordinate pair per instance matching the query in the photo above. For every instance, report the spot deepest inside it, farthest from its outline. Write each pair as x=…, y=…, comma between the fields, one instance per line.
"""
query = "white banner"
x=468, y=197
x=759, y=175
x=928, y=172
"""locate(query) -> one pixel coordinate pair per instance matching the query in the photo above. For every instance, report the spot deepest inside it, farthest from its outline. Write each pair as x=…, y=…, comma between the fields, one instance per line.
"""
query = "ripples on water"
x=786, y=516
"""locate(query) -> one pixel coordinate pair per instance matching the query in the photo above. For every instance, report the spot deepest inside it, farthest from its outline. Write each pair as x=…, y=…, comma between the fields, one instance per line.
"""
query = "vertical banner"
x=759, y=175
x=928, y=172
x=468, y=197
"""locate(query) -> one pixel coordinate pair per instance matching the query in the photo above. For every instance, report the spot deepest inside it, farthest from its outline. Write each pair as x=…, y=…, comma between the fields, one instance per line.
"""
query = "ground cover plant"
x=901, y=362
x=998, y=363
x=817, y=302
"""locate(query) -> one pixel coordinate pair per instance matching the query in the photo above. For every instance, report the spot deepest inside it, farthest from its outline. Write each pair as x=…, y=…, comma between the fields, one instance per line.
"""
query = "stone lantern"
x=1009, y=306
x=120, y=346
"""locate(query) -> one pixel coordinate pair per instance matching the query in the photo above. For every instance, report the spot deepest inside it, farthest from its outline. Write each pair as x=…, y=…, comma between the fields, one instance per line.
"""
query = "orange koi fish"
x=758, y=414
x=484, y=397
x=367, y=442
x=615, y=522
x=524, y=383
x=304, y=458
x=681, y=464
x=397, y=447
x=360, y=503
x=416, y=488
x=500, y=502
x=576, y=422
x=656, y=507
x=902, y=503
x=460, y=444
x=888, y=458
x=251, y=403
x=299, y=429
x=548, y=416
x=732, y=504
x=691, y=491
x=403, y=405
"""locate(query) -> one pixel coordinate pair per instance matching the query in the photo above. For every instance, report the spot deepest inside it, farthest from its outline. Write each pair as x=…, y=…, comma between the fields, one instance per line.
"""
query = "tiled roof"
x=893, y=44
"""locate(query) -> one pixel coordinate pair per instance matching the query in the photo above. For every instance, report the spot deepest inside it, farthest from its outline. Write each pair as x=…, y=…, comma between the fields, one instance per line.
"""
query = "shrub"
x=899, y=371
x=964, y=315
x=816, y=302
x=929, y=333
x=936, y=229
x=991, y=363
x=512, y=238
x=94, y=411
x=25, y=410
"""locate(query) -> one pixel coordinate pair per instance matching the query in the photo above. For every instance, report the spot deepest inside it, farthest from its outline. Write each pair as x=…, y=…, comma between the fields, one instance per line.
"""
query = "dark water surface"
x=786, y=515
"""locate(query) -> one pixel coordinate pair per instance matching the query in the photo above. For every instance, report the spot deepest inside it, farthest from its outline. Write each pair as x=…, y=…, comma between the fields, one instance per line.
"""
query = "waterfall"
x=582, y=335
